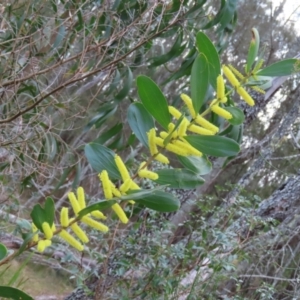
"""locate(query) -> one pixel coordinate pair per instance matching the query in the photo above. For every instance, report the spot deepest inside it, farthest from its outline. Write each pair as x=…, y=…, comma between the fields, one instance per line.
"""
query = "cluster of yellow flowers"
x=171, y=140
x=78, y=203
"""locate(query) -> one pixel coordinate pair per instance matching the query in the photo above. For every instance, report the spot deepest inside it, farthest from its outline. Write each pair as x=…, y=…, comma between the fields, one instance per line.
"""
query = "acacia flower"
x=98, y=214
x=71, y=240
x=92, y=223
x=47, y=230
x=79, y=232
x=171, y=147
x=106, y=184
x=174, y=112
x=231, y=77
x=81, y=198
x=200, y=130
x=171, y=128
x=74, y=203
x=182, y=128
x=206, y=124
x=236, y=72
x=189, y=103
x=122, y=168
x=64, y=217
x=35, y=238
x=145, y=173
x=43, y=244
x=244, y=94
x=153, y=149
x=221, y=89
x=162, y=158
x=221, y=112
x=185, y=145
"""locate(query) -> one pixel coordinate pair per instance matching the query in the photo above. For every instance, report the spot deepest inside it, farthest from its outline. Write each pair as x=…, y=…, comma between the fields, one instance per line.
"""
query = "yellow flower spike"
x=134, y=186
x=199, y=130
x=221, y=112
x=35, y=238
x=171, y=127
x=236, y=72
x=92, y=223
x=42, y=245
x=53, y=227
x=81, y=198
x=213, y=102
x=177, y=150
x=115, y=191
x=223, y=100
x=174, y=112
x=64, y=217
x=220, y=87
x=206, y=124
x=231, y=77
x=162, y=158
x=122, y=168
x=148, y=174
x=65, y=235
x=183, y=127
x=125, y=186
x=47, y=230
x=98, y=214
x=120, y=213
x=152, y=146
x=243, y=93
x=184, y=144
x=159, y=141
x=163, y=134
x=79, y=232
x=106, y=184
x=189, y=103
x=257, y=89
x=74, y=203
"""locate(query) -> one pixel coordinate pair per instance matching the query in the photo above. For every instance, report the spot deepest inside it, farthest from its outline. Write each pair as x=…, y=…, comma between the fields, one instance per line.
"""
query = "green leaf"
x=13, y=293
x=60, y=35
x=228, y=13
x=140, y=121
x=49, y=210
x=196, y=164
x=175, y=51
x=282, y=68
x=160, y=201
x=38, y=216
x=101, y=158
x=3, y=251
x=127, y=85
x=253, y=49
x=238, y=116
x=179, y=178
x=218, y=146
x=109, y=134
x=154, y=100
x=236, y=133
x=199, y=81
x=206, y=47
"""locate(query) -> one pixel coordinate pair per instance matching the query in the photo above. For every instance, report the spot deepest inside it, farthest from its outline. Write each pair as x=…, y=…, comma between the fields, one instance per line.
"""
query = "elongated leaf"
x=140, y=121
x=160, y=201
x=104, y=137
x=253, y=49
x=196, y=164
x=175, y=51
x=13, y=293
x=38, y=216
x=228, y=13
x=238, y=116
x=127, y=85
x=101, y=158
x=218, y=146
x=199, y=81
x=101, y=205
x=154, y=100
x=206, y=47
x=282, y=68
x=217, y=18
x=49, y=210
x=3, y=251
x=179, y=178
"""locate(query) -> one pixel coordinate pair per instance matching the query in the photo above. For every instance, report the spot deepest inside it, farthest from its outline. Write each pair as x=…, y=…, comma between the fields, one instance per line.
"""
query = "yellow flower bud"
x=221, y=112
x=71, y=240
x=199, y=130
x=189, y=103
x=125, y=186
x=98, y=214
x=92, y=223
x=206, y=124
x=152, y=146
x=185, y=145
x=81, y=198
x=243, y=93
x=122, y=168
x=183, y=127
x=42, y=245
x=147, y=174
x=47, y=230
x=35, y=238
x=230, y=76
x=236, y=72
x=163, y=134
x=177, y=150
x=64, y=217
x=220, y=87
x=162, y=158
x=174, y=112
x=106, y=185
x=80, y=233
x=74, y=203
x=120, y=213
